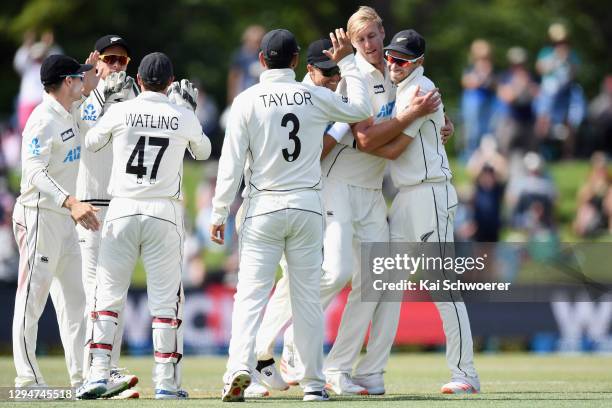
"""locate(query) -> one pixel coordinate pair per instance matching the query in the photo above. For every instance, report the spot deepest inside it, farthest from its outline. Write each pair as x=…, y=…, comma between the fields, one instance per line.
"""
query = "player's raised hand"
x=83, y=213
x=91, y=77
x=447, y=130
x=341, y=45
x=217, y=233
x=183, y=94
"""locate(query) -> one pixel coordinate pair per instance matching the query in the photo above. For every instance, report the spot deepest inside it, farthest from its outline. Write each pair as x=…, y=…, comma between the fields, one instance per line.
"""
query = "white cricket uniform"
x=424, y=210
x=50, y=260
x=92, y=187
x=275, y=138
x=356, y=213
x=149, y=136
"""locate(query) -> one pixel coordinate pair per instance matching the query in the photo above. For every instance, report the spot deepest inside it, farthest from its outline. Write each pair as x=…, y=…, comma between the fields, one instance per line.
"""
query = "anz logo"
x=386, y=110
x=34, y=147
x=89, y=113
x=73, y=155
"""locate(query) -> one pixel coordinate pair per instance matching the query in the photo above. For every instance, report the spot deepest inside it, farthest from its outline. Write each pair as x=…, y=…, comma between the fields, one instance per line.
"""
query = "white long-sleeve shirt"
x=275, y=134
x=50, y=153
x=95, y=167
x=345, y=162
x=149, y=135
x=424, y=160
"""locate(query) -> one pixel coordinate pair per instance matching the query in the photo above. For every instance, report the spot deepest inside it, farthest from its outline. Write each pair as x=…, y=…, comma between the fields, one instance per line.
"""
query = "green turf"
x=508, y=380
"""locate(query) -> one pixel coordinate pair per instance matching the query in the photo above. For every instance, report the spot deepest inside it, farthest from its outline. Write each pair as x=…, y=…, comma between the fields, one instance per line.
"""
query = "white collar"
x=277, y=75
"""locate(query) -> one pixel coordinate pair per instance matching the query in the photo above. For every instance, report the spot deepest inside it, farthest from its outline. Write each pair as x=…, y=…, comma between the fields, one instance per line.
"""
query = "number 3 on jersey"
x=138, y=154
x=290, y=117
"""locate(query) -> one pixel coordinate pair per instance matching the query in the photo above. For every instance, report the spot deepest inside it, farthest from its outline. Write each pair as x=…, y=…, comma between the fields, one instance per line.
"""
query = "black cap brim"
x=84, y=68
x=325, y=64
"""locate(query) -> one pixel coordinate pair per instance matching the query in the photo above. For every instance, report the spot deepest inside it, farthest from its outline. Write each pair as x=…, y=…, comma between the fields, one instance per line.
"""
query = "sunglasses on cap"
x=401, y=62
x=329, y=72
x=111, y=59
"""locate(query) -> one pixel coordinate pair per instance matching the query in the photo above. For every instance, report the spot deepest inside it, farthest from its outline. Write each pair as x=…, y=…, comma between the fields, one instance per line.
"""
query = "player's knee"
x=166, y=341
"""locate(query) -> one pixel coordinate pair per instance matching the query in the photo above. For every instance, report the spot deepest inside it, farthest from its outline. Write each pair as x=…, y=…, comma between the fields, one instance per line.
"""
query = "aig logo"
x=73, y=154
x=386, y=110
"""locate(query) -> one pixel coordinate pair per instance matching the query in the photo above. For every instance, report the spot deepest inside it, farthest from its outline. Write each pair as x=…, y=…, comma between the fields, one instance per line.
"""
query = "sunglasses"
x=401, y=62
x=111, y=59
x=82, y=75
x=329, y=72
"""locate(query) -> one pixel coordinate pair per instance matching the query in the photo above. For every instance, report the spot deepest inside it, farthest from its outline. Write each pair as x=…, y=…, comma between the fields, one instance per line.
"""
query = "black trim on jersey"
x=446, y=176
x=178, y=193
x=423, y=149
x=281, y=209
x=110, y=136
x=97, y=202
x=287, y=190
x=99, y=98
x=30, y=267
x=334, y=162
x=444, y=273
x=242, y=231
x=46, y=173
x=134, y=215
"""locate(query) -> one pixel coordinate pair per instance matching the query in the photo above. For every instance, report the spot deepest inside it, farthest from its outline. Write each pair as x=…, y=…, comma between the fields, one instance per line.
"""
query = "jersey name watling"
x=151, y=121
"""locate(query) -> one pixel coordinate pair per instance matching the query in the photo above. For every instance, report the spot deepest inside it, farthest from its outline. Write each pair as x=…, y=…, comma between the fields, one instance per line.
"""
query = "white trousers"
x=273, y=225
x=353, y=215
x=90, y=248
x=49, y=263
x=153, y=229
x=425, y=213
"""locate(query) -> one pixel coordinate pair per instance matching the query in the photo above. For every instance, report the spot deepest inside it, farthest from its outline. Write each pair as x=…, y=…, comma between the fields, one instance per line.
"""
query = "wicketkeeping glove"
x=117, y=87
x=183, y=94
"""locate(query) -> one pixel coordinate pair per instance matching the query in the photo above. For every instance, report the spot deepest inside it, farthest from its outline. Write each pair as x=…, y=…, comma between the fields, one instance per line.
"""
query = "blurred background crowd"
x=528, y=86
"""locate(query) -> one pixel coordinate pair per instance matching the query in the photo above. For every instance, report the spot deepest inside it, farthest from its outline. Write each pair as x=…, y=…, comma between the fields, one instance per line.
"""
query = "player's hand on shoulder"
x=83, y=213
x=341, y=45
x=117, y=88
x=183, y=94
x=424, y=104
x=217, y=233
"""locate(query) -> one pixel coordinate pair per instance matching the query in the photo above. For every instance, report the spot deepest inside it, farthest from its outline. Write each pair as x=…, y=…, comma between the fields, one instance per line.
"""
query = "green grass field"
x=508, y=380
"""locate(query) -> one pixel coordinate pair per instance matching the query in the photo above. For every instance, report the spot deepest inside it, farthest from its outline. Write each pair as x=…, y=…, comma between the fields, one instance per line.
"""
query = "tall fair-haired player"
x=424, y=208
x=44, y=217
x=149, y=136
x=356, y=212
x=275, y=139
x=93, y=180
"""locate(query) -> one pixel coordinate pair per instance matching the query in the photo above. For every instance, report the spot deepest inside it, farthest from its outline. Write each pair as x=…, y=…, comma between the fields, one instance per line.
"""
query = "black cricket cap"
x=56, y=67
x=279, y=45
x=156, y=69
x=110, y=40
x=315, y=54
x=407, y=42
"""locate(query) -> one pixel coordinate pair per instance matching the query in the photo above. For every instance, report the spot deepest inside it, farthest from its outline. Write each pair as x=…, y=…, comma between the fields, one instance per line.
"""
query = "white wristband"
x=338, y=130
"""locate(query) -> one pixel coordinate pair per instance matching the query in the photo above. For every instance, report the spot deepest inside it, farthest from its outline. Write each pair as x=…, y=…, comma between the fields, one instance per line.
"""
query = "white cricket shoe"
x=91, y=389
x=342, y=384
x=233, y=390
x=118, y=382
x=256, y=389
x=460, y=387
x=165, y=394
x=130, y=393
x=316, y=396
x=291, y=368
x=373, y=383
x=270, y=377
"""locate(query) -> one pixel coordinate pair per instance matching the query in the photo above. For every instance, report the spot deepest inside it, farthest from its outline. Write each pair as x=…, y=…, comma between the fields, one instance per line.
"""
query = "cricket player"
x=149, y=136
x=322, y=71
x=44, y=220
x=424, y=208
x=275, y=138
x=92, y=185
